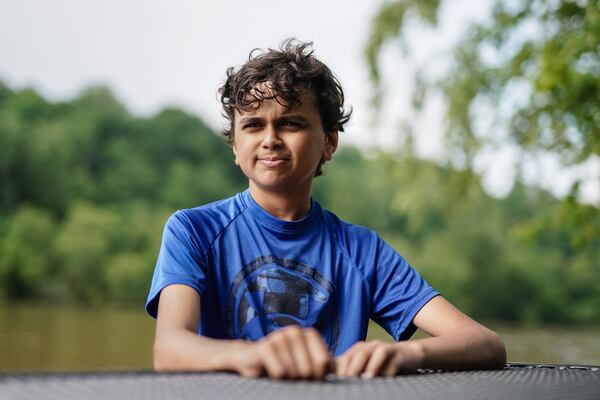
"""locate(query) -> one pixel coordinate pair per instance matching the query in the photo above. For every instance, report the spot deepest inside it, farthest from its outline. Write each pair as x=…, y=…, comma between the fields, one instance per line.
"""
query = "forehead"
x=263, y=96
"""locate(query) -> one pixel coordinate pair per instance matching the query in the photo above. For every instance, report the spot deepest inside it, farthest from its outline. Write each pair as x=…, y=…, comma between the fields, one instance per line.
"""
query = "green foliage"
x=87, y=188
x=27, y=253
x=388, y=24
x=348, y=186
x=475, y=249
x=535, y=68
x=85, y=242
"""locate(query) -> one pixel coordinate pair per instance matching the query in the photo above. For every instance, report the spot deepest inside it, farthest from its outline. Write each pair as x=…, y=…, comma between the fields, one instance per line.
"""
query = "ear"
x=331, y=144
x=235, y=160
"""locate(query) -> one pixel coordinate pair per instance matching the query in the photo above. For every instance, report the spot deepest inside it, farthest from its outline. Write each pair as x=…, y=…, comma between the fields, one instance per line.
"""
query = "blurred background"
x=474, y=149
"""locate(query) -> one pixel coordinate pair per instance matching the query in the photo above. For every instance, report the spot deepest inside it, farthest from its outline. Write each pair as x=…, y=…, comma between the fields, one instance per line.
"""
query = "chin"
x=274, y=185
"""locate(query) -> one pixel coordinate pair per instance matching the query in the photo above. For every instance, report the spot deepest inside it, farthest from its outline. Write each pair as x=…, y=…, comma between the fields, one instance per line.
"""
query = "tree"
x=534, y=65
x=27, y=254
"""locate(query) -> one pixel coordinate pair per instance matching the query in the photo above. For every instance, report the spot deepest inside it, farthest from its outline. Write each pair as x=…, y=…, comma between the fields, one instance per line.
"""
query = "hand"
x=374, y=358
x=290, y=352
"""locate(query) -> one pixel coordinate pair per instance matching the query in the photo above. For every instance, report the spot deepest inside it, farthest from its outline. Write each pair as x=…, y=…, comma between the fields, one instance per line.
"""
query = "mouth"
x=272, y=161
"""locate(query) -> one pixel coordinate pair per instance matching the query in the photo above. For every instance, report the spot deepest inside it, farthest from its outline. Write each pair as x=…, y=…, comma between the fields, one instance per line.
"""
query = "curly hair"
x=287, y=72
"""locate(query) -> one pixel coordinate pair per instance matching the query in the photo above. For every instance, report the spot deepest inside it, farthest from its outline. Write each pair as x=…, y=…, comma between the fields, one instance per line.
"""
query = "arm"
x=458, y=342
x=290, y=352
x=177, y=345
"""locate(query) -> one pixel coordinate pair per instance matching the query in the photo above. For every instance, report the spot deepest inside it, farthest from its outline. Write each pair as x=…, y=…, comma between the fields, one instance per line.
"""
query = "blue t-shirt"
x=256, y=273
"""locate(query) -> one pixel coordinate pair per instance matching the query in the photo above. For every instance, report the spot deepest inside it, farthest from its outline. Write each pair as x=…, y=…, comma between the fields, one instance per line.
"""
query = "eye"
x=251, y=125
x=291, y=124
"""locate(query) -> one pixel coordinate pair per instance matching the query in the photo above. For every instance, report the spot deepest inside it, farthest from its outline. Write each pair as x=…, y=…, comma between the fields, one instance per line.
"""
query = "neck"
x=288, y=205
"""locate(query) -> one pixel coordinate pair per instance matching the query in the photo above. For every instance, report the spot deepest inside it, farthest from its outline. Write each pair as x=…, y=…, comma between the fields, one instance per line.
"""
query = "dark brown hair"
x=287, y=72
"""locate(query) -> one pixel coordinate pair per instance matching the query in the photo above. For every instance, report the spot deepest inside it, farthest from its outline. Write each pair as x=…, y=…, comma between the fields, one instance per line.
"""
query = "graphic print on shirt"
x=272, y=292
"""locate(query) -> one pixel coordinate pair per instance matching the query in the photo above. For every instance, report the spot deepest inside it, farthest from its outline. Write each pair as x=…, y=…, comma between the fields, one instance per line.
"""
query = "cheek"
x=240, y=149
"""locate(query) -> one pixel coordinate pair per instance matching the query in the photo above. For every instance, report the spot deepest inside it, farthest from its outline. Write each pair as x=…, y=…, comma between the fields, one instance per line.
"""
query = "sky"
x=154, y=54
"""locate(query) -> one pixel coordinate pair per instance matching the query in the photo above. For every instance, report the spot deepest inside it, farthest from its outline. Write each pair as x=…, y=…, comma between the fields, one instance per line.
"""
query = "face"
x=279, y=150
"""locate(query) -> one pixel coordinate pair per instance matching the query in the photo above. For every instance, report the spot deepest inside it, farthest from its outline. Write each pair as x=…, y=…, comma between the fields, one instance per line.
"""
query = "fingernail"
x=367, y=375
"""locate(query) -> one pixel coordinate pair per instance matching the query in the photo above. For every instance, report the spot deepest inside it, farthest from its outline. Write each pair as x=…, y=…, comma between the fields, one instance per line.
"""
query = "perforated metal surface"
x=513, y=382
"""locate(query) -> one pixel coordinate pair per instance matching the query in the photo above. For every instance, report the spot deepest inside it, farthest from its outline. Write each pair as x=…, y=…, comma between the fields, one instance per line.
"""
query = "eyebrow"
x=297, y=117
x=294, y=116
x=249, y=119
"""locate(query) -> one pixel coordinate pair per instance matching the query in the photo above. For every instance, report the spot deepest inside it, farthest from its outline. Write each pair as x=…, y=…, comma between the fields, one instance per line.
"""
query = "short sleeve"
x=400, y=292
x=179, y=261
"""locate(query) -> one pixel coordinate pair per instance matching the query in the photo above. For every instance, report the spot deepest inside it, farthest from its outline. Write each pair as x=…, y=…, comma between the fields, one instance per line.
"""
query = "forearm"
x=466, y=348
x=183, y=350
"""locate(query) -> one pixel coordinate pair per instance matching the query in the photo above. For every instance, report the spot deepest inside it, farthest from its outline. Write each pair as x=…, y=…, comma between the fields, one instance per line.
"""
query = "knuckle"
x=312, y=331
x=266, y=340
x=363, y=344
x=275, y=334
x=293, y=331
x=312, y=334
x=260, y=346
x=380, y=351
x=362, y=351
x=266, y=343
x=271, y=346
x=355, y=347
x=277, y=337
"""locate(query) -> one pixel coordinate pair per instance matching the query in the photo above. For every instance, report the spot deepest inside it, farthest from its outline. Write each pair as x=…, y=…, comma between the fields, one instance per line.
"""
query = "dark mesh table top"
x=516, y=381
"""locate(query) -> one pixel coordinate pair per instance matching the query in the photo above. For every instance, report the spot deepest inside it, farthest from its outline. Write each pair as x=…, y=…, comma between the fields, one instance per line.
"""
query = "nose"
x=271, y=139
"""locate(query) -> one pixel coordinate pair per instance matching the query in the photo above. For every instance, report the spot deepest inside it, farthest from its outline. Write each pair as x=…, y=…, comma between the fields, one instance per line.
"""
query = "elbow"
x=160, y=361
x=157, y=362
x=496, y=351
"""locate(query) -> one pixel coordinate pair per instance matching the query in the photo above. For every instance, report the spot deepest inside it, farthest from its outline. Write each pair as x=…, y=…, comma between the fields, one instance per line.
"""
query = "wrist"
x=237, y=351
x=414, y=352
x=223, y=355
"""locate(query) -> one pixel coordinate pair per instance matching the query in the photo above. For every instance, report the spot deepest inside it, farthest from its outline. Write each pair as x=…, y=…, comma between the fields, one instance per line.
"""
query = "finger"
x=359, y=360
x=319, y=357
x=395, y=366
x=342, y=362
x=392, y=368
x=379, y=359
x=269, y=359
x=283, y=351
x=299, y=352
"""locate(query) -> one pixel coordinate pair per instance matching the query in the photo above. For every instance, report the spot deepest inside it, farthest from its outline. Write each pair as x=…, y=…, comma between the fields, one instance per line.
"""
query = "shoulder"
x=204, y=223
x=354, y=239
x=218, y=213
x=364, y=246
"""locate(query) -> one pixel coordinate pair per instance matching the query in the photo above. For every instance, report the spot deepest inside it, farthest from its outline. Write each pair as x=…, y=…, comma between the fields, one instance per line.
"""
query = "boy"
x=268, y=283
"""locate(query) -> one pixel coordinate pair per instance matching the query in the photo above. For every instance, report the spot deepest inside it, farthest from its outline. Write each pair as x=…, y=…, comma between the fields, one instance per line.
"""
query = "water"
x=49, y=338
x=39, y=338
